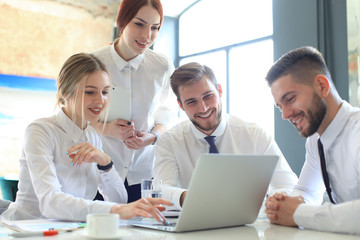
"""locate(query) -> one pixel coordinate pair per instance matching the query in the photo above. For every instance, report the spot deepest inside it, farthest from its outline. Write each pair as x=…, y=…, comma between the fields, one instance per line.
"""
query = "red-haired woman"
x=145, y=75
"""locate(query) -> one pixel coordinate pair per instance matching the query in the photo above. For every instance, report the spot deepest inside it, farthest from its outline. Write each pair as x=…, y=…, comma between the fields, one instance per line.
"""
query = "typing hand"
x=145, y=207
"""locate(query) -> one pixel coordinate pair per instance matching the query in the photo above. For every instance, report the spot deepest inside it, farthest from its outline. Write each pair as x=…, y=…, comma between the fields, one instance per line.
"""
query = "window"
x=250, y=97
x=234, y=38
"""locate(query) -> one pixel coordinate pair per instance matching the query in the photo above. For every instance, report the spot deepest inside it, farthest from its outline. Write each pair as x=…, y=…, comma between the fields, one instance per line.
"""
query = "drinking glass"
x=151, y=188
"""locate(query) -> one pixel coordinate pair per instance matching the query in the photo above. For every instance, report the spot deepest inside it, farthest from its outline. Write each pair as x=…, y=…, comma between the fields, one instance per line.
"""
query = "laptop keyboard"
x=160, y=224
x=153, y=221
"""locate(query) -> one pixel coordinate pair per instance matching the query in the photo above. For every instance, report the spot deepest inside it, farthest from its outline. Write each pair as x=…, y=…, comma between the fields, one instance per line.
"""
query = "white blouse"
x=49, y=187
x=147, y=78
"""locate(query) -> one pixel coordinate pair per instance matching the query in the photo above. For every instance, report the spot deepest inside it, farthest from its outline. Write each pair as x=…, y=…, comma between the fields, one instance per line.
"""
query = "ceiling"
x=173, y=8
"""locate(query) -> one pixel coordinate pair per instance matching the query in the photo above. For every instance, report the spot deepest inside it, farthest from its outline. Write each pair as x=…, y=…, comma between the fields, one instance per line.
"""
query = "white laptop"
x=225, y=190
x=120, y=104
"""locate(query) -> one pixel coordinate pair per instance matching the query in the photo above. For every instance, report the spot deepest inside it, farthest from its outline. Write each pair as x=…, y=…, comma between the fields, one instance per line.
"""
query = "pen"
x=33, y=234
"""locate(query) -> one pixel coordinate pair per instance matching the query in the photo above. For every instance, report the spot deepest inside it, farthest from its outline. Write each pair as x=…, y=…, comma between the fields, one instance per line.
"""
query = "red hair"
x=129, y=8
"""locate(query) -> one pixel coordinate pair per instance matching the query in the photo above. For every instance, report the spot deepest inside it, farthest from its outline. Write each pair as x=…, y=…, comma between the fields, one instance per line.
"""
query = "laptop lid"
x=225, y=190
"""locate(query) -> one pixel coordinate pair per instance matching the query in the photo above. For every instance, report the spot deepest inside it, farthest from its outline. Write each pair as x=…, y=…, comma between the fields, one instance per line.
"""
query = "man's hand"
x=280, y=208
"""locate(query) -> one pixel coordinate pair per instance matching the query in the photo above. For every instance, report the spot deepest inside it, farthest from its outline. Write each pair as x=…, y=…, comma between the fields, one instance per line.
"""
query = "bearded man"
x=208, y=130
x=303, y=90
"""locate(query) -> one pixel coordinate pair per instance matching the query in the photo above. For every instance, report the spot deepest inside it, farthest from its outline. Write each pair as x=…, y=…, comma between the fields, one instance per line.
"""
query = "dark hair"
x=190, y=73
x=129, y=8
x=303, y=64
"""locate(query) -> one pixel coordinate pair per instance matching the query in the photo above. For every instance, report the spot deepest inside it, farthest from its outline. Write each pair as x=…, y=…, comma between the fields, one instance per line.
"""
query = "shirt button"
x=107, y=180
x=105, y=175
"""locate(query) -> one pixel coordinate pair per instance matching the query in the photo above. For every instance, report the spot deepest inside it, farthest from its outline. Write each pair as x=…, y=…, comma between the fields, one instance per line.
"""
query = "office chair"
x=9, y=188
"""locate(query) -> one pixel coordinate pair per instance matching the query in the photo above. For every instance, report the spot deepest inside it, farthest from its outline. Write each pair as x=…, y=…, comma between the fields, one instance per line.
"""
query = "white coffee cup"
x=102, y=225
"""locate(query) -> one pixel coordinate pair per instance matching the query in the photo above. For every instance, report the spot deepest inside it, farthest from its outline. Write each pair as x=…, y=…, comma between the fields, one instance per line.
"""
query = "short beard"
x=316, y=116
x=218, y=117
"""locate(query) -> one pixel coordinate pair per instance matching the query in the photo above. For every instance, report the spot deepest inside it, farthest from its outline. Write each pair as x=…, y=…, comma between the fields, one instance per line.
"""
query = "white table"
x=261, y=229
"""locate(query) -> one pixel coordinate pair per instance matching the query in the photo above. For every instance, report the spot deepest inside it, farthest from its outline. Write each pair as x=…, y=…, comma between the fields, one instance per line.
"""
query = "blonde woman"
x=62, y=165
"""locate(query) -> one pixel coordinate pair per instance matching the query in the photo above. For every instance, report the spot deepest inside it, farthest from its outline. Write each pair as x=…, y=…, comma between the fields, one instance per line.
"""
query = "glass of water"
x=151, y=188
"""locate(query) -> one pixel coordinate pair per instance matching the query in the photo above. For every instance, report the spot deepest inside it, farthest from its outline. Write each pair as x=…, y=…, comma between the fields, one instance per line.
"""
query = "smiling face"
x=299, y=104
x=201, y=102
x=91, y=98
x=140, y=33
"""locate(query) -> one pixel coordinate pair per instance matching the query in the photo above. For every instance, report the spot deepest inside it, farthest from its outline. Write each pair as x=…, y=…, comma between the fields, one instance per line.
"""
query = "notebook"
x=225, y=190
x=120, y=104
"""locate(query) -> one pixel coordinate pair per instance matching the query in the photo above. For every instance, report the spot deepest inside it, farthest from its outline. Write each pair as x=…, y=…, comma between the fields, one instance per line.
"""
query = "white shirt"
x=49, y=187
x=147, y=78
x=341, y=141
x=178, y=149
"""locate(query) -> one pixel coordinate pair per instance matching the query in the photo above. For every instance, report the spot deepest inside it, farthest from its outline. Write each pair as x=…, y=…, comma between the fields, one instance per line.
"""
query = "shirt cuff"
x=303, y=214
x=173, y=194
x=109, y=177
x=176, y=197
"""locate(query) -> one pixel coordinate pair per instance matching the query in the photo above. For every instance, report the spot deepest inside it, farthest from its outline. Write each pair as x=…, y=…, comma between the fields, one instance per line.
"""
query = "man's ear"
x=219, y=89
x=180, y=104
x=322, y=86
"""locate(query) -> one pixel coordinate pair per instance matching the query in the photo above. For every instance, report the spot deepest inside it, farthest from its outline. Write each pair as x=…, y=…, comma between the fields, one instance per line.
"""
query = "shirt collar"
x=337, y=124
x=121, y=63
x=218, y=131
x=69, y=127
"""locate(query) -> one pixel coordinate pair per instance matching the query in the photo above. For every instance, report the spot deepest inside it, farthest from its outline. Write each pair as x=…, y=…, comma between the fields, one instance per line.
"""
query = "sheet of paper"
x=39, y=225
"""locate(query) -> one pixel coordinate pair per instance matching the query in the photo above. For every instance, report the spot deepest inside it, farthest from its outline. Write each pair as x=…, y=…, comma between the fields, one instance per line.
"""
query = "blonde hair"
x=74, y=70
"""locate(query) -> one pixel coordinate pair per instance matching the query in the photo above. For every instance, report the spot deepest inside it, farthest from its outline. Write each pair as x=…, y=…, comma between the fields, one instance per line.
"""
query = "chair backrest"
x=9, y=188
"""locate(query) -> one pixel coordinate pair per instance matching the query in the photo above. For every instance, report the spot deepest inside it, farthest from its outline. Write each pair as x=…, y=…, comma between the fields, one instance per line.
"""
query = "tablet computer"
x=120, y=104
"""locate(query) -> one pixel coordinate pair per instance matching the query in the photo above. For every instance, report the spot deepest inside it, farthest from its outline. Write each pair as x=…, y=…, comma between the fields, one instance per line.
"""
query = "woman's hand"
x=119, y=129
x=144, y=207
x=85, y=152
x=140, y=140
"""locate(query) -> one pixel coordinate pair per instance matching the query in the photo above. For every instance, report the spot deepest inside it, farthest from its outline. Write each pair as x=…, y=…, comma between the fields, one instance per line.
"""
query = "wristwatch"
x=106, y=167
x=156, y=136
